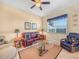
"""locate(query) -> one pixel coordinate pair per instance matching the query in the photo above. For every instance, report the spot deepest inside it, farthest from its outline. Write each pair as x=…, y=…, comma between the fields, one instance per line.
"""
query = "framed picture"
x=34, y=26
x=27, y=25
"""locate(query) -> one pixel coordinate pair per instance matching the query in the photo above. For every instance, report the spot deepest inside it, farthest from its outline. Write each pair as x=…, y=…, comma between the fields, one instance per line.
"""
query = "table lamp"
x=17, y=31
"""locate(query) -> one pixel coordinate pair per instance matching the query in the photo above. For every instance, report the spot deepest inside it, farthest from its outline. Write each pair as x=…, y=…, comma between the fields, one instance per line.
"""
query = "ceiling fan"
x=38, y=3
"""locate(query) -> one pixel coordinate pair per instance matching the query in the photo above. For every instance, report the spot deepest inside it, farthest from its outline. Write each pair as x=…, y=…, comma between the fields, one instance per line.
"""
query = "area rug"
x=32, y=52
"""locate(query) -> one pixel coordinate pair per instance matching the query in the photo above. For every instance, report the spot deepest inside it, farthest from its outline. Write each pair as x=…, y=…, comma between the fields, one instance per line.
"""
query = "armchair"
x=71, y=43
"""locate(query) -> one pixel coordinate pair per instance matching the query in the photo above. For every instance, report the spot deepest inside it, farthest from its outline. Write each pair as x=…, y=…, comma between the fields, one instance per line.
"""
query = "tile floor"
x=67, y=55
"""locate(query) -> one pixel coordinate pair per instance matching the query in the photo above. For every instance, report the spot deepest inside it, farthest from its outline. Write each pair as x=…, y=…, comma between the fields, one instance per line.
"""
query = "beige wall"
x=71, y=11
x=11, y=18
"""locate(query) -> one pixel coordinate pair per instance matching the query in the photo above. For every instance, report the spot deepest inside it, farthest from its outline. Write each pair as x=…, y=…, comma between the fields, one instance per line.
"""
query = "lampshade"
x=17, y=31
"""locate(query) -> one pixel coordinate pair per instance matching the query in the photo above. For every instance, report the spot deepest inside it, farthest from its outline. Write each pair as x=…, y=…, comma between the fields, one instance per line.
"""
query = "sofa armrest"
x=63, y=39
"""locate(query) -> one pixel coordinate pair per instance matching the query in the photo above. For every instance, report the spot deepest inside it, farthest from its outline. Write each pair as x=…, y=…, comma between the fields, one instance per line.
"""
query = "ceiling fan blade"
x=33, y=0
x=33, y=6
x=40, y=8
x=45, y=2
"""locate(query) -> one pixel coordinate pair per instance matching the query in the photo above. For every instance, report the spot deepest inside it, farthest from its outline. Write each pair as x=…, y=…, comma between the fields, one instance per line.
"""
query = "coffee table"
x=32, y=52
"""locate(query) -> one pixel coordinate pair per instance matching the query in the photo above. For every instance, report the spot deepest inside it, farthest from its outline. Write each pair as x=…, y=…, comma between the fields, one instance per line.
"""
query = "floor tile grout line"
x=58, y=53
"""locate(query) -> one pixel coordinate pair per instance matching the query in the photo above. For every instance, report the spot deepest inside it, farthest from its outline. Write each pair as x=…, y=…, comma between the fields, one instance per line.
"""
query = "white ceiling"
x=54, y=4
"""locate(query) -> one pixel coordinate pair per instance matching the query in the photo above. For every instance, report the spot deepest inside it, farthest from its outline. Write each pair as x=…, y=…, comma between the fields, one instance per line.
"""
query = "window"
x=58, y=24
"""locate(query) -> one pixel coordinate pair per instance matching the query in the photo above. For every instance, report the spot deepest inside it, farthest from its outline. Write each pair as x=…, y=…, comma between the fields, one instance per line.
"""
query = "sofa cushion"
x=8, y=52
x=77, y=36
x=2, y=40
x=33, y=34
x=9, y=37
x=72, y=35
x=67, y=43
x=27, y=36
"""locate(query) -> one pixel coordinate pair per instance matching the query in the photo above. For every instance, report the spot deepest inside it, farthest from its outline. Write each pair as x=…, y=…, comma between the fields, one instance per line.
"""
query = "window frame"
x=64, y=15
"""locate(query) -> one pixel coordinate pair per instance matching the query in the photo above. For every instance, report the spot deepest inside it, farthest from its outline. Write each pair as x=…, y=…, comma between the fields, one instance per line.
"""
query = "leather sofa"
x=7, y=51
x=71, y=43
x=31, y=37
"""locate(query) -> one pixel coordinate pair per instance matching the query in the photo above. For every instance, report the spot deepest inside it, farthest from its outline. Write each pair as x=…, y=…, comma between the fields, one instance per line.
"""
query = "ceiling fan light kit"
x=38, y=3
